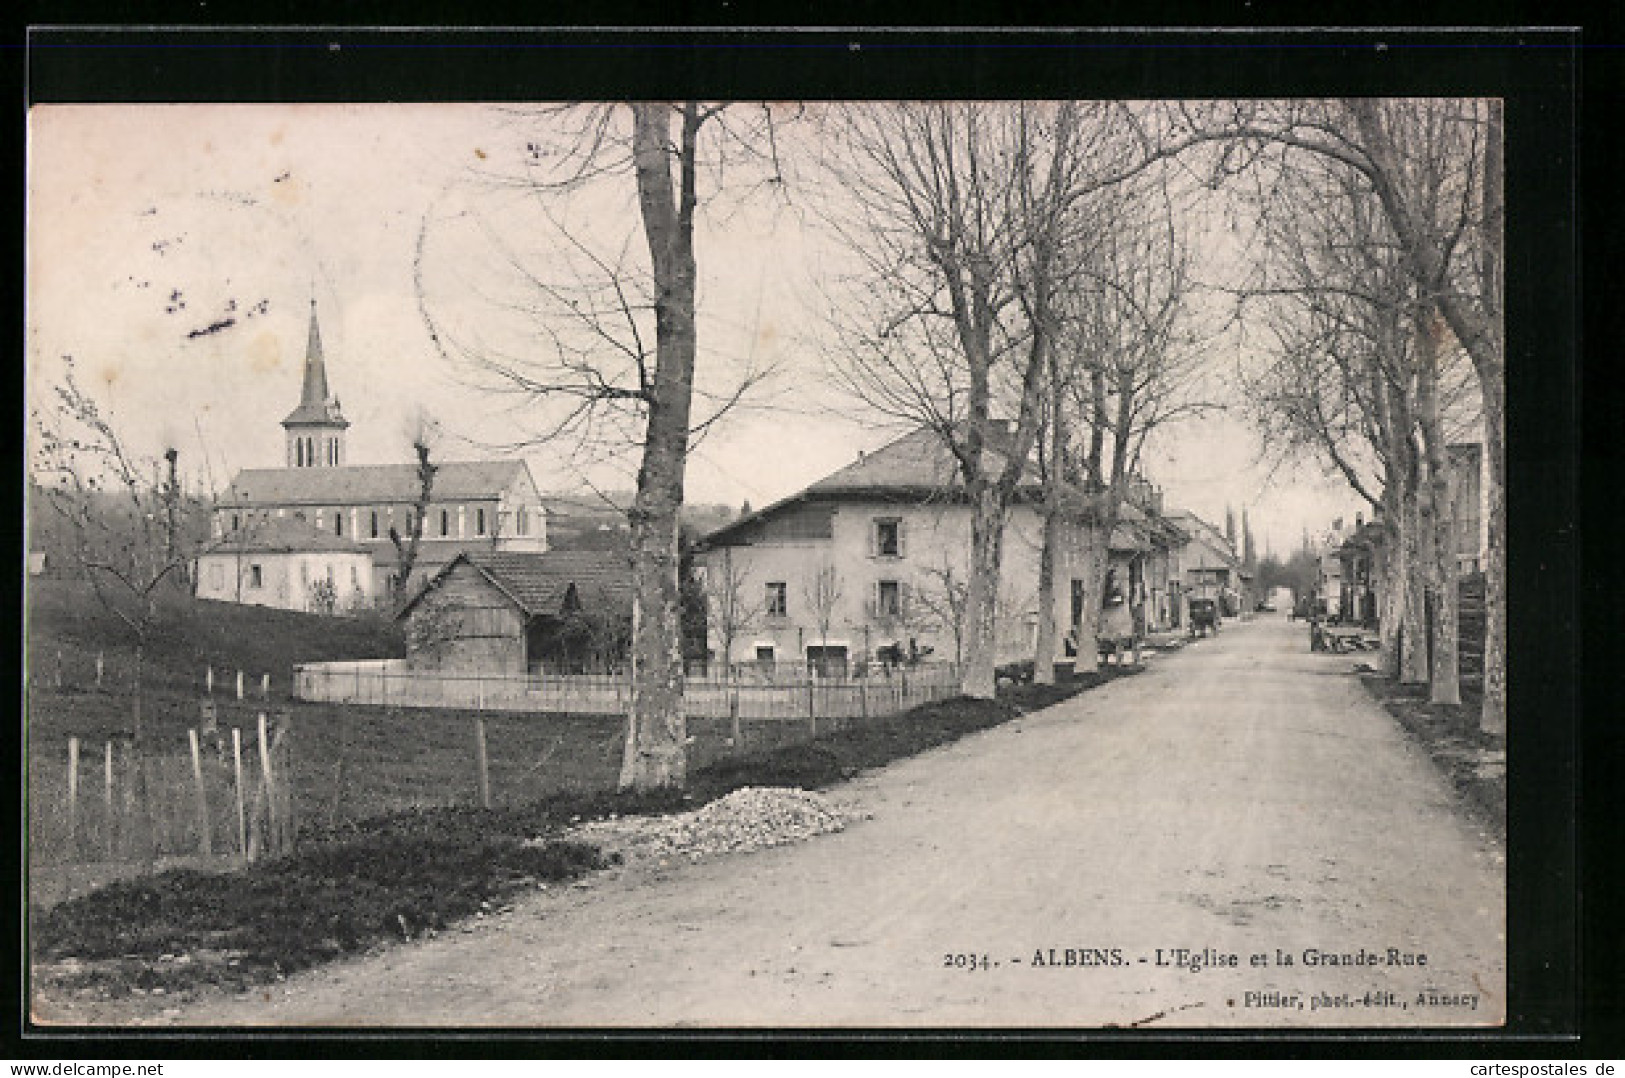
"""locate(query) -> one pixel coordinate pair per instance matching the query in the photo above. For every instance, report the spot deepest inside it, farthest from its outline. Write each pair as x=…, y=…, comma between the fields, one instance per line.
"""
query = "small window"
x=479, y=522
x=375, y=523
x=889, y=599
x=765, y=654
x=445, y=522
x=778, y=599
x=522, y=522
x=888, y=538
x=236, y=522
x=355, y=578
x=338, y=522
x=304, y=574
x=256, y=579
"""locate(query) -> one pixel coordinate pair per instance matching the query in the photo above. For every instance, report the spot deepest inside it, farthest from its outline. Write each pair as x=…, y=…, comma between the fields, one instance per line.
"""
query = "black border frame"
x=1536, y=71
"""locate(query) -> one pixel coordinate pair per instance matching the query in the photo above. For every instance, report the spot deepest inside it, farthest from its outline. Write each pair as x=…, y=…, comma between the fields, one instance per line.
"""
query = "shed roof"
x=538, y=583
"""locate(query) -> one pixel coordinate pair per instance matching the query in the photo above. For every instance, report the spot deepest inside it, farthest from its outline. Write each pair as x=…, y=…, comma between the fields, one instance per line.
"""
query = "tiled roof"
x=286, y=535
x=916, y=461
x=379, y=483
x=538, y=583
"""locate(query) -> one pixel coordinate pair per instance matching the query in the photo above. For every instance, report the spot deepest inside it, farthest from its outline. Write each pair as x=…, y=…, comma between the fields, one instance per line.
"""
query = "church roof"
x=378, y=484
x=316, y=407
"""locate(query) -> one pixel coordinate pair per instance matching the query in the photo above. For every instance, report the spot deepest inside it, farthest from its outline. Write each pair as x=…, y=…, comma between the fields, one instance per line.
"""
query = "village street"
x=1242, y=797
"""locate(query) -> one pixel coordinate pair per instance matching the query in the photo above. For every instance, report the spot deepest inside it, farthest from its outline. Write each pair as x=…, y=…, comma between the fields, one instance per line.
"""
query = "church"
x=280, y=531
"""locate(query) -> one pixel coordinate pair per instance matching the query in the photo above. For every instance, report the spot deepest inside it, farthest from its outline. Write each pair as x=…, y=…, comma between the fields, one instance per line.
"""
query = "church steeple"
x=316, y=427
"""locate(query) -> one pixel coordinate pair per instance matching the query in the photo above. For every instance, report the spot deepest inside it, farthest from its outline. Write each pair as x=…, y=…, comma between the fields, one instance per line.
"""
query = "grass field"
x=392, y=840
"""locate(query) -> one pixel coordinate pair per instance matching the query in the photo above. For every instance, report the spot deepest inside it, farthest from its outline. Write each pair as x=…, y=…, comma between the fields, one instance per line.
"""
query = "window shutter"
x=902, y=539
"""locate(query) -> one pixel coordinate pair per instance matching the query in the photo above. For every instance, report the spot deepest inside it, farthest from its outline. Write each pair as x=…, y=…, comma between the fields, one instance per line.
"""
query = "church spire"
x=314, y=395
x=316, y=427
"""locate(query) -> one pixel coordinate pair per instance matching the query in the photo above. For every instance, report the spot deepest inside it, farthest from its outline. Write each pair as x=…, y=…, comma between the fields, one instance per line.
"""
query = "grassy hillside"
x=65, y=618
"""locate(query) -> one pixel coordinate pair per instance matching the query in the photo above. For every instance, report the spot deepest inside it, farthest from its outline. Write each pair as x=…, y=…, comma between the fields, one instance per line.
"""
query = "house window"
x=765, y=654
x=375, y=523
x=886, y=541
x=479, y=522
x=338, y=522
x=522, y=522
x=445, y=522
x=256, y=579
x=889, y=599
x=778, y=599
x=235, y=522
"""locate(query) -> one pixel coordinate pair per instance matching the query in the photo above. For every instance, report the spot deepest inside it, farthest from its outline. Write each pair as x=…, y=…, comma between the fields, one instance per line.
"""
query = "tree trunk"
x=1391, y=586
x=1413, y=656
x=979, y=677
x=1092, y=574
x=657, y=737
x=1445, y=668
x=1051, y=570
x=1493, y=715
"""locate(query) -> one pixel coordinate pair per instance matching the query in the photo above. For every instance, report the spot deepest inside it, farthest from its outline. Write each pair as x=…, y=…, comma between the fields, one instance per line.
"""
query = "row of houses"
x=869, y=562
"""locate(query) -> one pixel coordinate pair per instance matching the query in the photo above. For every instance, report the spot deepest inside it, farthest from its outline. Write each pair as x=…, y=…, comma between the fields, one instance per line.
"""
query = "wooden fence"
x=779, y=693
x=228, y=791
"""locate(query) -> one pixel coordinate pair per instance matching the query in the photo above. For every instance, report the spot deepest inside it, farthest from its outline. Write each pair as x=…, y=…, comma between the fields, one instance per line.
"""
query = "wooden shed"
x=515, y=612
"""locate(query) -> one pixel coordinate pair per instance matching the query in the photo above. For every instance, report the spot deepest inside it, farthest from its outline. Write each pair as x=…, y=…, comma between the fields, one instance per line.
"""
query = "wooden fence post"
x=287, y=817
x=73, y=795
x=239, y=684
x=206, y=841
x=482, y=760
x=267, y=785
x=237, y=767
x=107, y=797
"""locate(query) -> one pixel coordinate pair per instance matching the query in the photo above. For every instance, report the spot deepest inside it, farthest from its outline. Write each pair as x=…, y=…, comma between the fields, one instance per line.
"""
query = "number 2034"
x=965, y=960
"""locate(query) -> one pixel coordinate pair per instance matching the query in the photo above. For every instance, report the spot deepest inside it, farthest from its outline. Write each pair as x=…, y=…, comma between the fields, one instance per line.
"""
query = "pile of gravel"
x=750, y=818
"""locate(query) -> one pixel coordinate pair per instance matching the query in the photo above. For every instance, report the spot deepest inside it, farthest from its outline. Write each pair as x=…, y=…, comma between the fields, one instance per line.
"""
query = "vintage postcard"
x=959, y=564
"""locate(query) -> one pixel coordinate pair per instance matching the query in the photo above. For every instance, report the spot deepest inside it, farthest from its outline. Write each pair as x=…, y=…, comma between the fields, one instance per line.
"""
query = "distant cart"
x=1204, y=616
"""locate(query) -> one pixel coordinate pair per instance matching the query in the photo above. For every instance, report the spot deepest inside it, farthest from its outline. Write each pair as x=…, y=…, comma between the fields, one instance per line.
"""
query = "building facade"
x=872, y=563
x=474, y=505
x=289, y=564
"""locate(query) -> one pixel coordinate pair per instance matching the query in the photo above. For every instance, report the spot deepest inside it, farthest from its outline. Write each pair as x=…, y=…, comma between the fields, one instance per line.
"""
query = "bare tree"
x=942, y=600
x=823, y=593
x=124, y=517
x=965, y=218
x=733, y=608
x=423, y=434
x=616, y=374
x=1435, y=168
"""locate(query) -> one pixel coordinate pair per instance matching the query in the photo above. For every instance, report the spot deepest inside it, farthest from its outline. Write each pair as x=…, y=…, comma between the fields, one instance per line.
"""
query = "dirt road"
x=1242, y=801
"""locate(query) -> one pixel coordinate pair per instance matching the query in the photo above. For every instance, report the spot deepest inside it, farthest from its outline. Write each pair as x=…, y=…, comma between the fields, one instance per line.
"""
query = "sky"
x=174, y=252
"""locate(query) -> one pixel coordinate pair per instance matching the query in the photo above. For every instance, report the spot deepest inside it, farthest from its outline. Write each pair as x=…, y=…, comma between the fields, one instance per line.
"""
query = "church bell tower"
x=315, y=428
